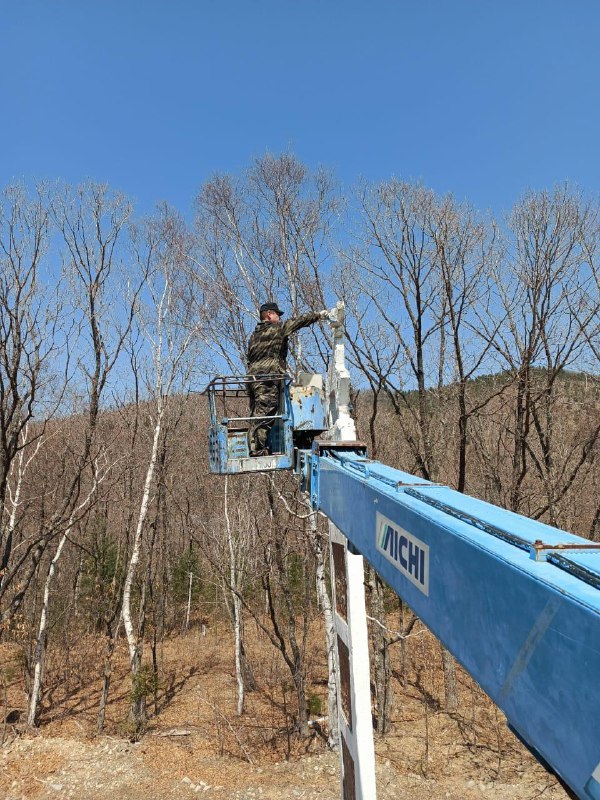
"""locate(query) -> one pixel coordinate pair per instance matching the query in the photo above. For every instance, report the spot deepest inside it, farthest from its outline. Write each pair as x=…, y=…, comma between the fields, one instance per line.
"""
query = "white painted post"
x=357, y=751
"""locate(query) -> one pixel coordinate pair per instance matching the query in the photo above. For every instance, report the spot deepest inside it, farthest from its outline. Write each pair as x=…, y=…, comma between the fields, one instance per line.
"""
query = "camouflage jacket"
x=268, y=344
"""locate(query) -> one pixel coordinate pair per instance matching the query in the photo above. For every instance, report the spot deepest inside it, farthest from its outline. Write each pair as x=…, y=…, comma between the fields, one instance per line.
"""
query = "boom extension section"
x=515, y=601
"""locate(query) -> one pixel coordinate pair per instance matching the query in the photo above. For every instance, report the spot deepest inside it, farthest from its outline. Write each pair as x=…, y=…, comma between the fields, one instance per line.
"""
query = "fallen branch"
x=231, y=728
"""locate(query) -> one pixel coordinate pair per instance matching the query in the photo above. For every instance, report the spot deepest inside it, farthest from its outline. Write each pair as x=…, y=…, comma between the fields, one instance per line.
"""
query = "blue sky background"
x=482, y=99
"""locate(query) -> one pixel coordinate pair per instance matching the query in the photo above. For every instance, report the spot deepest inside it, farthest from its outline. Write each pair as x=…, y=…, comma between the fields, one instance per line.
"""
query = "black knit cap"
x=271, y=307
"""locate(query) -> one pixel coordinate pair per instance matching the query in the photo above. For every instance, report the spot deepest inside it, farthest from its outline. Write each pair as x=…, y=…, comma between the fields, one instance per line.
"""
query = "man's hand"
x=334, y=316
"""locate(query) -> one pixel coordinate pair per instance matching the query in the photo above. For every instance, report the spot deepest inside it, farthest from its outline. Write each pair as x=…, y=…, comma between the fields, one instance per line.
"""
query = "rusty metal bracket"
x=539, y=550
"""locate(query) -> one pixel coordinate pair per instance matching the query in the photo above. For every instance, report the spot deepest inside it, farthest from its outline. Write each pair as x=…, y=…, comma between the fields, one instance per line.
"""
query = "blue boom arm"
x=515, y=601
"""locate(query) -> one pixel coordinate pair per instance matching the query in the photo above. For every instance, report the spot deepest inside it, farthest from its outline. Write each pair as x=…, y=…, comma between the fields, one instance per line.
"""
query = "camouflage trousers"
x=264, y=402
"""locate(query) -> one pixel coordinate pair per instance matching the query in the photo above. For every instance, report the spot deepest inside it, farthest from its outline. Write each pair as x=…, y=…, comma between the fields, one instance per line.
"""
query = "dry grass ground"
x=195, y=744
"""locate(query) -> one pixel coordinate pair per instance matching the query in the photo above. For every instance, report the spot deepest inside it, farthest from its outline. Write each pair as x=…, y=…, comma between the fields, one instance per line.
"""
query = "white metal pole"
x=357, y=751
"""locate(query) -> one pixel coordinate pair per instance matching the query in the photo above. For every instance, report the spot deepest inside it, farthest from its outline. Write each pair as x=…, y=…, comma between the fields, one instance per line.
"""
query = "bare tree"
x=28, y=344
x=267, y=236
x=466, y=252
x=263, y=236
x=299, y=508
x=543, y=288
x=161, y=249
x=381, y=641
x=239, y=544
x=411, y=283
x=92, y=222
x=399, y=342
x=587, y=306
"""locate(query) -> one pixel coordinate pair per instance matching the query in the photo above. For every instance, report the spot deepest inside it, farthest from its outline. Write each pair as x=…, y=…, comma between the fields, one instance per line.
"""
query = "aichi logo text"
x=407, y=553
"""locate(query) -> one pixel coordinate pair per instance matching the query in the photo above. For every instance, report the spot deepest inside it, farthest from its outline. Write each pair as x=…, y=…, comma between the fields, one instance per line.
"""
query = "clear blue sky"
x=481, y=98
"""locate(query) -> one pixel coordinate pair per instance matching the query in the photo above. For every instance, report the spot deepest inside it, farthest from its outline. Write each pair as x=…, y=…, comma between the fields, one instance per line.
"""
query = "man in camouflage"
x=267, y=355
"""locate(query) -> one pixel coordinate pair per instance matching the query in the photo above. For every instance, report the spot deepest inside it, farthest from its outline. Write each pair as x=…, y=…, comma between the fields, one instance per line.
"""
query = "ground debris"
x=200, y=749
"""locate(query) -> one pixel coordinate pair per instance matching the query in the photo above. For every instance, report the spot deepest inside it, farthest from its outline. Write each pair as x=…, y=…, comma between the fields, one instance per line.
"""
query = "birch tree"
x=239, y=544
x=267, y=235
x=169, y=333
x=300, y=509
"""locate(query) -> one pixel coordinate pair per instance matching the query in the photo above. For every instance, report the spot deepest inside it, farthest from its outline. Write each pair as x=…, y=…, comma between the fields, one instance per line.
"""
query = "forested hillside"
x=474, y=348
